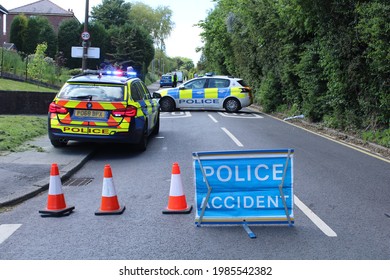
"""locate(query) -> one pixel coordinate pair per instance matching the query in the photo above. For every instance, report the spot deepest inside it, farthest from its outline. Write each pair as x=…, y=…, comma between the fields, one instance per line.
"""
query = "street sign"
x=244, y=187
x=77, y=52
x=85, y=36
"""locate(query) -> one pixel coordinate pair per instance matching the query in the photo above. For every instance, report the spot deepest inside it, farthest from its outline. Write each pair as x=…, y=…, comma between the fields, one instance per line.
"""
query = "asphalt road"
x=341, y=198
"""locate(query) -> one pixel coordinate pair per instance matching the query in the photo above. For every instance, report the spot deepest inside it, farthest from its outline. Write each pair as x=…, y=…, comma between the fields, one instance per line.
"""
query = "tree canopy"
x=326, y=59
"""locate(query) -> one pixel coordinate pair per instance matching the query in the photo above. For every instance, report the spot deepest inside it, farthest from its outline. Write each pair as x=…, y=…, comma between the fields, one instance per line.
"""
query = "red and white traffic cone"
x=56, y=205
x=109, y=204
x=177, y=203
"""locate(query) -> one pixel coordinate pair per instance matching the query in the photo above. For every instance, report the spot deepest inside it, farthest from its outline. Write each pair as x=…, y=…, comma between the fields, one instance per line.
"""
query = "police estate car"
x=103, y=107
x=207, y=92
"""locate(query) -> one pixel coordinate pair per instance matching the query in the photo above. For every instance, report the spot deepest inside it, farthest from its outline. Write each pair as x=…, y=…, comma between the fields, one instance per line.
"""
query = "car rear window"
x=219, y=83
x=166, y=78
x=242, y=83
x=92, y=92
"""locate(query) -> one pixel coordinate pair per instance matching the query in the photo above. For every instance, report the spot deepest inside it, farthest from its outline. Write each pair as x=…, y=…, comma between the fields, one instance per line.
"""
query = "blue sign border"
x=244, y=187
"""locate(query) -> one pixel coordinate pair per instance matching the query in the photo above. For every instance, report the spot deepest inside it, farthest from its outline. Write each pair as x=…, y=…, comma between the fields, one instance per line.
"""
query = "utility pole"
x=85, y=42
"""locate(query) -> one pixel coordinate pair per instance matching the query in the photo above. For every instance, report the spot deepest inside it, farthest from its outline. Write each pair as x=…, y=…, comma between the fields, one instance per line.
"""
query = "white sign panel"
x=244, y=187
x=77, y=52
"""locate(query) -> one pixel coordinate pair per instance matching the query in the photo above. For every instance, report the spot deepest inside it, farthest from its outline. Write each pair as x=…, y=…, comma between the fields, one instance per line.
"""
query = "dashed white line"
x=7, y=230
x=314, y=218
x=213, y=119
x=238, y=143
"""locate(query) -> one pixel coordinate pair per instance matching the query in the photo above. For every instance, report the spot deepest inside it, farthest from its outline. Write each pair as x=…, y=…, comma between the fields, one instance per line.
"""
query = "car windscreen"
x=95, y=92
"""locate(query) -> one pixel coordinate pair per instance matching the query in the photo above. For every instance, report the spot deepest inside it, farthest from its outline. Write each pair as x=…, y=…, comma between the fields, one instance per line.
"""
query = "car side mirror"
x=181, y=87
x=156, y=95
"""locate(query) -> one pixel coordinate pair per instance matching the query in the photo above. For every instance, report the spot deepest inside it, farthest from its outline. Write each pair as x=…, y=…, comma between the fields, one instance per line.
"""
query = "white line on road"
x=171, y=115
x=211, y=117
x=232, y=137
x=314, y=218
x=240, y=115
x=7, y=230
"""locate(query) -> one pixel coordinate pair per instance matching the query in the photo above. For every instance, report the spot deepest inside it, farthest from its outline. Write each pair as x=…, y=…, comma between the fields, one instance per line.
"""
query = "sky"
x=184, y=37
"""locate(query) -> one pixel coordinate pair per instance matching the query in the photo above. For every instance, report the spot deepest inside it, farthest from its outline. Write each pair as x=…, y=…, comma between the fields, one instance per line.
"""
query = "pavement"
x=27, y=173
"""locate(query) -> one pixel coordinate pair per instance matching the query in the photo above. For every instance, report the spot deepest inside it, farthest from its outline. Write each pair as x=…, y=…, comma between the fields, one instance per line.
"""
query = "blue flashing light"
x=132, y=74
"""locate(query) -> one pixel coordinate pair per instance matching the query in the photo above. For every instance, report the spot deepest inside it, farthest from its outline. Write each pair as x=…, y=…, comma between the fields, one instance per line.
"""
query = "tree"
x=157, y=22
x=18, y=31
x=68, y=36
x=111, y=13
x=38, y=31
x=326, y=59
x=48, y=35
x=37, y=66
x=143, y=15
x=133, y=47
x=163, y=26
x=99, y=39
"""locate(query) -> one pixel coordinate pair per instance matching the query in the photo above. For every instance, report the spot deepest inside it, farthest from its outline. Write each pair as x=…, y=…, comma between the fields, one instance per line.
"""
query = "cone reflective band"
x=56, y=205
x=177, y=203
x=109, y=203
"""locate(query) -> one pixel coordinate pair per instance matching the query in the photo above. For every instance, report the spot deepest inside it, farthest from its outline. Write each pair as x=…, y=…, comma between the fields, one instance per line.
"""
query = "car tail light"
x=245, y=89
x=129, y=111
x=54, y=108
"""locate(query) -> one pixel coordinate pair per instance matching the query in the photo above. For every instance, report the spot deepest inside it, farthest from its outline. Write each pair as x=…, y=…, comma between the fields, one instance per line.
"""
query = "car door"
x=192, y=93
x=148, y=104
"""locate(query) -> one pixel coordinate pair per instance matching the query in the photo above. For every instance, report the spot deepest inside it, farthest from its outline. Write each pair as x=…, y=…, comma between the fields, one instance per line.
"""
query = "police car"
x=207, y=92
x=109, y=106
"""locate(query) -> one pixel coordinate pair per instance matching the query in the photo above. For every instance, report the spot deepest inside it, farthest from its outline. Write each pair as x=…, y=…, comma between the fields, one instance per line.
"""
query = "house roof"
x=3, y=10
x=42, y=7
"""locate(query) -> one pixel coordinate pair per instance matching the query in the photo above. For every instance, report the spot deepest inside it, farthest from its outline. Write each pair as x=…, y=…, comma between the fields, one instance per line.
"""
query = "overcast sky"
x=184, y=38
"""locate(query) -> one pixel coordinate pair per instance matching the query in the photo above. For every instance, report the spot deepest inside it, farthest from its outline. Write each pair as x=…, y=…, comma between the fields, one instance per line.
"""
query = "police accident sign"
x=244, y=187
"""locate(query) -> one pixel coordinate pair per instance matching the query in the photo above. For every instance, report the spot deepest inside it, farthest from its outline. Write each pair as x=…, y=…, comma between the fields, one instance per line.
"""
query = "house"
x=46, y=8
x=3, y=12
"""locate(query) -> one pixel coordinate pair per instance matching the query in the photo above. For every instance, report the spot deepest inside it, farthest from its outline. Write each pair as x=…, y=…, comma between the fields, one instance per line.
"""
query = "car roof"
x=103, y=79
x=218, y=77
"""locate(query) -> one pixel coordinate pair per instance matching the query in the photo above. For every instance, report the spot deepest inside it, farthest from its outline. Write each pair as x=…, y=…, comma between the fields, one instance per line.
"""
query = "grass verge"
x=15, y=130
x=11, y=85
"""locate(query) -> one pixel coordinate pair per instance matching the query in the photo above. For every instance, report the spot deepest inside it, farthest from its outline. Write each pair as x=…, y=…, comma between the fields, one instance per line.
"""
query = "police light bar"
x=131, y=74
x=119, y=73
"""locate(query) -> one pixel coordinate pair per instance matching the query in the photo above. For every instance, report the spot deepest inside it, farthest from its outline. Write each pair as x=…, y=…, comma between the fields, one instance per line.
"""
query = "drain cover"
x=78, y=182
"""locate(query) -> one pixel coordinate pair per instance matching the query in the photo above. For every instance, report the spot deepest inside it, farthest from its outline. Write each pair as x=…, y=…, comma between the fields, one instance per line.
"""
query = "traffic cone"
x=177, y=203
x=56, y=205
x=109, y=204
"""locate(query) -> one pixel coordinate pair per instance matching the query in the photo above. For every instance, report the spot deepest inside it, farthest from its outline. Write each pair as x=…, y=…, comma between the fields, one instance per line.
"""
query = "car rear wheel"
x=143, y=142
x=156, y=128
x=167, y=105
x=232, y=105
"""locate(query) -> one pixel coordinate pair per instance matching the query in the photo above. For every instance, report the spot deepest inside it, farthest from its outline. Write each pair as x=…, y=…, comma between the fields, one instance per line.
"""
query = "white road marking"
x=240, y=115
x=314, y=218
x=7, y=230
x=232, y=137
x=176, y=114
x=211, y=117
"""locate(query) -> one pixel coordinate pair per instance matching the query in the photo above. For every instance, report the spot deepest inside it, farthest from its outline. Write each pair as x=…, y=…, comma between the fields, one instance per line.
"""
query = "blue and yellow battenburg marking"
x=212, y=93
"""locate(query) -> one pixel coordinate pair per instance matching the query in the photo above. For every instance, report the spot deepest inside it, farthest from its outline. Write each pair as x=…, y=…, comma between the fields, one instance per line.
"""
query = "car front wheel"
x=232, y=105
x=167, y=105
